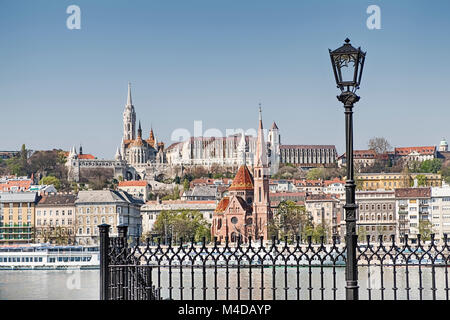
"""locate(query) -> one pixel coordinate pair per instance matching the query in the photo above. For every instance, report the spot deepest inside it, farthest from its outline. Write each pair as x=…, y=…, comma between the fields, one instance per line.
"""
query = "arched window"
x=361, y=217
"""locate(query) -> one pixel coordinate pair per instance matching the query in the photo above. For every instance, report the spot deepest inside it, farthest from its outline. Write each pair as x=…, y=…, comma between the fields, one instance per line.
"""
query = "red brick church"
x=245, y=212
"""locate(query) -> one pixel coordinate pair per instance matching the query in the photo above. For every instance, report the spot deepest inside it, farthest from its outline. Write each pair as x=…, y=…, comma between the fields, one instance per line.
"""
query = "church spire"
x=261, y=153
x=129, y=118
x=140, y=130
x=129, y=101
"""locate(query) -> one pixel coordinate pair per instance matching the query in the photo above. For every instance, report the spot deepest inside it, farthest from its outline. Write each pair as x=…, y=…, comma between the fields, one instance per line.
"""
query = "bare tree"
x=379, y=144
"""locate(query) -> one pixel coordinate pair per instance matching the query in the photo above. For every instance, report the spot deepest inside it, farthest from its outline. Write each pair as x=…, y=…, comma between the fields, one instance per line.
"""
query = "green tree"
x=431, y=166
x=289, y=220
x=186, y=185
x=445, y=172
x=50, y=180
x=186, y=224
x=425, y=230
x=421, y=180
x=24, y=158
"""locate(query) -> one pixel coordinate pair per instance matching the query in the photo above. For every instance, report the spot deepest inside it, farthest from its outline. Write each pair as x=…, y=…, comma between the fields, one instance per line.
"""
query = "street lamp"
x=348, y=63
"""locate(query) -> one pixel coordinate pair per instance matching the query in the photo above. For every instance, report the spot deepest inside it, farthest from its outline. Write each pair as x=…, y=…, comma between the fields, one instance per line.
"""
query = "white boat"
x=39, y=256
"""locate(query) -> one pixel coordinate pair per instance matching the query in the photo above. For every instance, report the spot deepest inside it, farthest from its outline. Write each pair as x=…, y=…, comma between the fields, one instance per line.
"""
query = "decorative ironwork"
x=284, y=270
x=348, y=64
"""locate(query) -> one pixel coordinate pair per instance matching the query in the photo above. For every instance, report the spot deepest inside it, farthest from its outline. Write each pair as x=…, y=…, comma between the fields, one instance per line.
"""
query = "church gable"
x=237, y=205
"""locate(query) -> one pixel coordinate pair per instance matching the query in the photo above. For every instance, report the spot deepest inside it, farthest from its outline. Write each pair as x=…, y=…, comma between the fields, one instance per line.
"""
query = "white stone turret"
x=129, y=118
x=118, y=156
x=443, y=146
x=242, y=150
x=274, y=141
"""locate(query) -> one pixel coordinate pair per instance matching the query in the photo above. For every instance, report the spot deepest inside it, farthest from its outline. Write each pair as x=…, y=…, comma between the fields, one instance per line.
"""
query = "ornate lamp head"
x=347, y=63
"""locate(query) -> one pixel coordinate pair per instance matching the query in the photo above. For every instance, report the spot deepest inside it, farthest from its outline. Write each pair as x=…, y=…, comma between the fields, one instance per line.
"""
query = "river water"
x=84, y=284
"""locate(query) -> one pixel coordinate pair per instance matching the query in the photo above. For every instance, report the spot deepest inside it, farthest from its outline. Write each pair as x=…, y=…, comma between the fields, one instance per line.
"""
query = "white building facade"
x=440, y=212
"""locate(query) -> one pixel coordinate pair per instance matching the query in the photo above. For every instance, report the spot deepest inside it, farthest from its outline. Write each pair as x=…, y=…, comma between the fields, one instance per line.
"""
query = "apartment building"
x=412, y=207
x=17, y=217
x=113, y=207
x=55, y=219
x=325, y=210
x=151, y=210
x=391, y=181
x=375, y=215
x=440, y=212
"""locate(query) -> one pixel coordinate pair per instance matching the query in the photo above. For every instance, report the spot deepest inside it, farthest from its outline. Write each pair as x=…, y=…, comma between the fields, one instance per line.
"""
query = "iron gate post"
x=104, y=261
x=348, y=98
x=125, y=283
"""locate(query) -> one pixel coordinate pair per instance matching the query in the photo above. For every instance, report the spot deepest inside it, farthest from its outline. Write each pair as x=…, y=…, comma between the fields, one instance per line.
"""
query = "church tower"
x=274, y=145
x=261, y=202
x=129, y=118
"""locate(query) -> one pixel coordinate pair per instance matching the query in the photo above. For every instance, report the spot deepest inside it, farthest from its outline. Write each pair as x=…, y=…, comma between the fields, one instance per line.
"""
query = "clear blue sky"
x=215, y=60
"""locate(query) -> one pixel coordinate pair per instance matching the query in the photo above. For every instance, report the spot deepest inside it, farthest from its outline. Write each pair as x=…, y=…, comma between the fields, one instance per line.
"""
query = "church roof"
x=85, y=156
x=274, y=126
x=243, y=179
x=137, y=143
x=222, y=205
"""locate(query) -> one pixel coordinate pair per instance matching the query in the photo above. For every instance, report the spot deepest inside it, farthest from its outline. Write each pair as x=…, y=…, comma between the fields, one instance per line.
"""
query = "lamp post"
x=348, y=63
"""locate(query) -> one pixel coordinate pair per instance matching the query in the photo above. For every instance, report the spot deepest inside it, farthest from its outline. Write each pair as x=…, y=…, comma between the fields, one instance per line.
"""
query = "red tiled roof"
x=318, y=197
x=291, y=194
x=420, y=150
x=133, y=183
x=243, y=179
x=222, y=205
x=362, y=154
x=20, y=184
x=335, y=180
x=86, y=156
x=413, y=192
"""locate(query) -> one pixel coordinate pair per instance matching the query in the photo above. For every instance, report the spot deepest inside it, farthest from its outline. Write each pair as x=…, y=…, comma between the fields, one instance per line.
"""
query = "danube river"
x=49, y=284
x=84, y=284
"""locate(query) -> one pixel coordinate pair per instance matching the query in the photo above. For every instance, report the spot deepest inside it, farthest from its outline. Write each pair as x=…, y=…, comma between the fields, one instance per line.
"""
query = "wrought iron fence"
x=286, y=270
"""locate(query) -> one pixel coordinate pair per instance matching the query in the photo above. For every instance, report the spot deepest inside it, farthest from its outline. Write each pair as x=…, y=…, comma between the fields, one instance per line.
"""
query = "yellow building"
x=391, y=181
x=17, y=212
